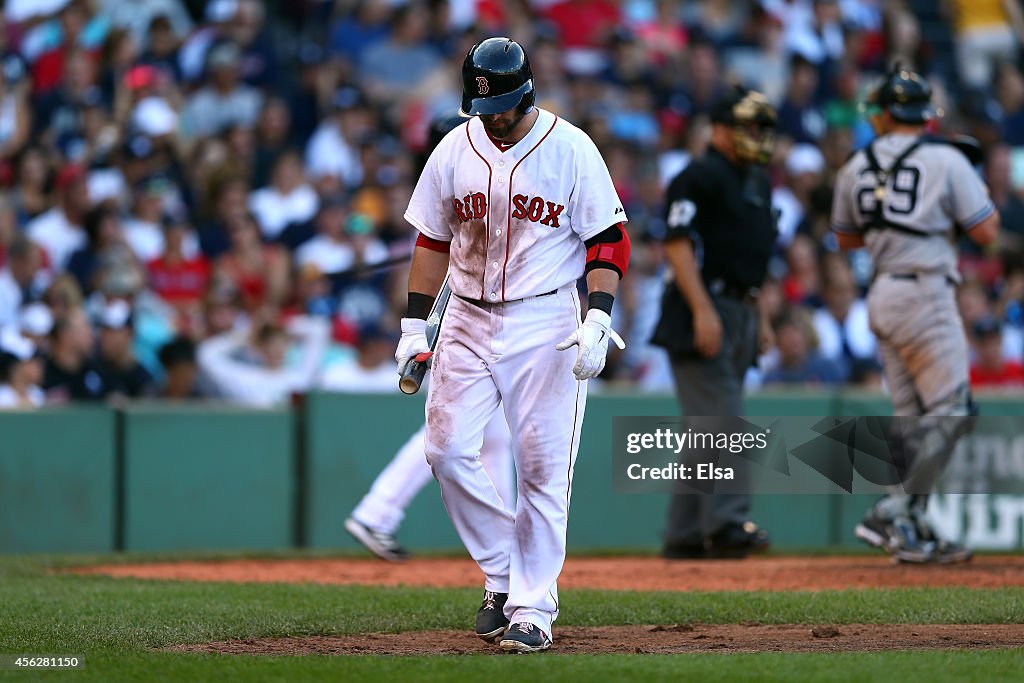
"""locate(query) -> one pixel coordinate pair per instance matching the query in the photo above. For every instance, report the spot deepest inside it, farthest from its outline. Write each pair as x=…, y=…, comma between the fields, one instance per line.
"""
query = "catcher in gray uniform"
x=907, y=197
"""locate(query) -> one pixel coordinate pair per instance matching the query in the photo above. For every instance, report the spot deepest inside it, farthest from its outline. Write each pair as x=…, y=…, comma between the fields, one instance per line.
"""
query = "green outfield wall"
x=58, y=488
x=156, y=477
x=203, y=477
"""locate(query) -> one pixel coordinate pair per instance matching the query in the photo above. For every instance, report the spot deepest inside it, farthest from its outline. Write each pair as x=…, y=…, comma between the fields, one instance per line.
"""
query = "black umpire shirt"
x=726, y=211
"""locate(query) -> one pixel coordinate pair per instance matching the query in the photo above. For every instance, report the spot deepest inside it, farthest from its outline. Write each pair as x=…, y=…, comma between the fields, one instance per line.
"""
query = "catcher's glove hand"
x=592, y=339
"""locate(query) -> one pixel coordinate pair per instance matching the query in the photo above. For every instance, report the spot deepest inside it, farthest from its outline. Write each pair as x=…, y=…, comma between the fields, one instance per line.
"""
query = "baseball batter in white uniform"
x=520, y=205
x=375, y=521
x=906, y=197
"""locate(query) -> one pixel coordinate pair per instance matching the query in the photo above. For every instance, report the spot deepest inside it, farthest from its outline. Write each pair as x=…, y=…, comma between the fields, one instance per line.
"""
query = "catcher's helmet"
x=496, y=77
x=905, y=95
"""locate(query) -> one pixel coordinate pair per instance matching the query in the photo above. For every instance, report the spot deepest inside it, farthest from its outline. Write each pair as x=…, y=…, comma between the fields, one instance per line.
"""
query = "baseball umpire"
x=719, y=236
x=906, y=197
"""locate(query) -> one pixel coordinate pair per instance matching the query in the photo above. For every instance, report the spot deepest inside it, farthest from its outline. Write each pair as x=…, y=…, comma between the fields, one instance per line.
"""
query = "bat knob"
x=412, y=378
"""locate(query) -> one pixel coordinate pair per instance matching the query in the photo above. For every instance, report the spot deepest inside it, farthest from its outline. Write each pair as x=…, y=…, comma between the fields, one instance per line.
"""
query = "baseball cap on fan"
x=116, y=315
x=154, y=117
x=804, y=158
x=35, y=319
x=17, y=11
x=220, y=11
x=13, y=344
x=141, y=76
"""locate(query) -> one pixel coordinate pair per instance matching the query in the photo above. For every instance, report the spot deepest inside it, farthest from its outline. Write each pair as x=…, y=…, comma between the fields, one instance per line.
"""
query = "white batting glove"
x=412, y=343
x=592, y=339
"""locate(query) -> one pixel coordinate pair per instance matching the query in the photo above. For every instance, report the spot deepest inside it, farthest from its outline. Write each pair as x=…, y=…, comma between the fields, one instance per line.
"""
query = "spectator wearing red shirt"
x=177, y=279
x=802, y=282
x=989, y=368
x=48, y=69
x=260, y=272
x=584, y=27
x=584, y=23
x=663, y=35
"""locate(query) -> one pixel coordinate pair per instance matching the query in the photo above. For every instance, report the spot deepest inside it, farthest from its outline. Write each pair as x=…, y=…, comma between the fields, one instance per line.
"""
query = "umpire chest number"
x=898, y=197
x=681, y=213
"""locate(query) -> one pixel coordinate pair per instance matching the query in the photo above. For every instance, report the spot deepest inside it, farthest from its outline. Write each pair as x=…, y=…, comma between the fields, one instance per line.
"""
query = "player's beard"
x=501, y=128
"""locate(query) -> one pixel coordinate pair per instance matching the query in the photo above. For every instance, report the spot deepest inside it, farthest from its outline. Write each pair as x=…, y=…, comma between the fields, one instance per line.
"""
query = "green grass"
x=118, y=625
x=988, y=666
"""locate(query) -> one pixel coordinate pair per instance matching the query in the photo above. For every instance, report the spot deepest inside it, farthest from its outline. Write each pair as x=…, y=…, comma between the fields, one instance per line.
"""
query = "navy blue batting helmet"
x=496, y=77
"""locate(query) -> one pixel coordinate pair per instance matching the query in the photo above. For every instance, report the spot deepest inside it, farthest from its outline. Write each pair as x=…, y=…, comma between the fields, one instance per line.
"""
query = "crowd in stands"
x=205, y=199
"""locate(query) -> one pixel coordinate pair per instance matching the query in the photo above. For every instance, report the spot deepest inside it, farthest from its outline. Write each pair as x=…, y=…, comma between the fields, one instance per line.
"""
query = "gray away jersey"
x=935, y=190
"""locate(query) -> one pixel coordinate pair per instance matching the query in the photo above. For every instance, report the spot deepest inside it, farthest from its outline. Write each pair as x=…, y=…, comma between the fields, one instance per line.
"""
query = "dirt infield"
x=621, y=573
x=728, y=639
x=605, y=573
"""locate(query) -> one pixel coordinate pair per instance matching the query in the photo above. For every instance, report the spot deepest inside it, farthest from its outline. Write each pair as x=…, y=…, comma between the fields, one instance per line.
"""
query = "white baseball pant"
x=491, y=353
x=383, y=507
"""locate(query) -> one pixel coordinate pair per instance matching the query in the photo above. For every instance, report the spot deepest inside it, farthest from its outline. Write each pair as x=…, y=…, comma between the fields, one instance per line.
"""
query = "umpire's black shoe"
x=736, y=541
x=524, y=637
x=684, y=551
x=490, y=618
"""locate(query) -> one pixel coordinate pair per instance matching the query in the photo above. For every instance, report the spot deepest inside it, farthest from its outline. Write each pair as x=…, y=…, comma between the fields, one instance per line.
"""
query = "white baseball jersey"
x=516, y=218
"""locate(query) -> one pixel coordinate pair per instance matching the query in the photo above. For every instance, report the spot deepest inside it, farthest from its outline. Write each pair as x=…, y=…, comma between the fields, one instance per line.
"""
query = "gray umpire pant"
x=714, y=387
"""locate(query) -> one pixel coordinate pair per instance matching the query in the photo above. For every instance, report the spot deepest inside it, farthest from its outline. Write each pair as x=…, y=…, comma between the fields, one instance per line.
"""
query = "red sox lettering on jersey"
x=516, y=218
x=535, y=209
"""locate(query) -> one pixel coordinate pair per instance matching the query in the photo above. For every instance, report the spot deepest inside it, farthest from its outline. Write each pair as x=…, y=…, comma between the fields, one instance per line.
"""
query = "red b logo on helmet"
x=481, y=84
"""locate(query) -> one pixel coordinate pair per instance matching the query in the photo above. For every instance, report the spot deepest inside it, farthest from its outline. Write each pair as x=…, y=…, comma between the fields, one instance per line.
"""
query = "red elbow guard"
x=432, y=244
x=603, y=252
